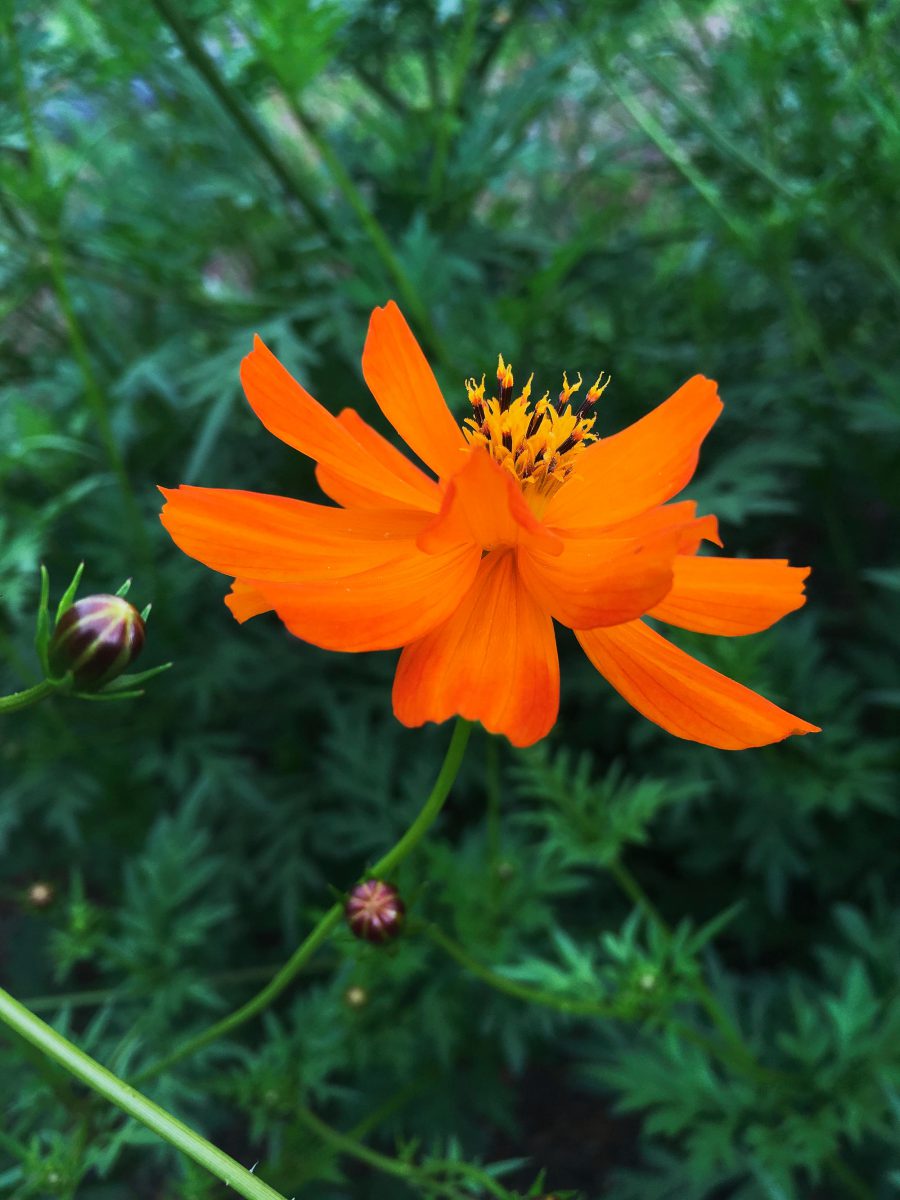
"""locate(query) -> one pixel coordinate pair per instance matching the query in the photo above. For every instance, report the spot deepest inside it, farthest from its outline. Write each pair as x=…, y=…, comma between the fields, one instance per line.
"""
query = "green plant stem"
x=741, y=1055
x=492, y=787
x=49, y=233
x=332, y=918
x=411, y=1172
x=111, y=995
x=581, y=1008
x=29, y=696
x=242, y=116
x=449, y=118
x=99, y=1079
x=346, y=1144
x=378, y=239
x=520, y=991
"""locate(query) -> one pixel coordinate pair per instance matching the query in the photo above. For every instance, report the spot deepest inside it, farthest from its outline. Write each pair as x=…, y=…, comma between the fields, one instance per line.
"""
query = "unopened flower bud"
x=375, y=911
x=356, y=997
x=96, y=639
x=40, y=895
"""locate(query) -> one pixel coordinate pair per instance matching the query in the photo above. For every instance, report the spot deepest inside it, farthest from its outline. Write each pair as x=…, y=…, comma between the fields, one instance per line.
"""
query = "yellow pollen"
x=539, y=444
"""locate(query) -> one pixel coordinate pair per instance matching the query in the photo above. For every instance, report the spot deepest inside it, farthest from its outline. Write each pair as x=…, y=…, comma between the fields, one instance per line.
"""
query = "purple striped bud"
x=96, y=639
x=375, y=911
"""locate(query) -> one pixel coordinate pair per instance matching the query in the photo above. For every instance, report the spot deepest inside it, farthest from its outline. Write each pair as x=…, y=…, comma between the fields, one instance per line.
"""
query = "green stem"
x=492, y=785
x=637, y=895
x=111, y=995
x=449, y=118
x=332, y=918
x=378, y=239
x=49, y=233
x=411, y=1172
x=740, y=1055
x=29, y=696
x=676, y=156
x=520, y=991
x=242, y=116
x=102, y=1081
x=345, y=1144
x=581, y=1008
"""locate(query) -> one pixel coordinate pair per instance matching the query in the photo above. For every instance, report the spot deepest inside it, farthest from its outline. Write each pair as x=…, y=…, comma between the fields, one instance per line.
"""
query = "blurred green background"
x=653, y=189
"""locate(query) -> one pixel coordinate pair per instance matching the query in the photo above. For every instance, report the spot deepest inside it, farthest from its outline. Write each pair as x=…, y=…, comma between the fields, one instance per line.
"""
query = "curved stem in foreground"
x=97, y=1077
x=332, y=918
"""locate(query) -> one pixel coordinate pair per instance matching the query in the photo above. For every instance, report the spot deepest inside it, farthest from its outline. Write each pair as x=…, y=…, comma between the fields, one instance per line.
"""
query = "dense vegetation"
x=649, y=188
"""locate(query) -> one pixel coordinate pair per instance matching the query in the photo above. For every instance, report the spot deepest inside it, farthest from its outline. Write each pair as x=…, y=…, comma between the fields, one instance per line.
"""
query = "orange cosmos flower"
x=532, y=518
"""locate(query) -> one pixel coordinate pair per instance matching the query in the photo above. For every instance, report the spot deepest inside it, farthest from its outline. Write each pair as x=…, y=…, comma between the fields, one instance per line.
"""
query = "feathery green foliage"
x=651, y=189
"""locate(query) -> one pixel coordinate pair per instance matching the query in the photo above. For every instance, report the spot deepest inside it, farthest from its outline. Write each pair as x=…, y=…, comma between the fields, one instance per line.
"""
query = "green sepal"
x=68, y=596
x=109, y=696
x=42, y=630
x=145, y=612
x=124, y=589
x=123, y=682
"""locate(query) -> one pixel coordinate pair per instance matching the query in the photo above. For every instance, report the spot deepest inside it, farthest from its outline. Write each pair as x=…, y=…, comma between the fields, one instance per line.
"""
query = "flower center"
x=538, y=443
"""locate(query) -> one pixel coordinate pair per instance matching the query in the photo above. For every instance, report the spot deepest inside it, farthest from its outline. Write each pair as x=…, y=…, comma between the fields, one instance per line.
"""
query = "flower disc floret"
x=539, y=444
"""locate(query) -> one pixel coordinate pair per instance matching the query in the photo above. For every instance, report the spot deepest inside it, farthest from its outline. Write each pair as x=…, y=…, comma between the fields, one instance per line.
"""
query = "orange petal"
x=647, y=463
x=484, y=504
x=601, y=581
x=682, y=695
x=252, y=536
x=351, y=495
x=245, y=601
x=343, y=579
x=287, y=410
x=402, y=382
x=731, y=596
x=493, y=661
x=378, y=607
x=682, y=515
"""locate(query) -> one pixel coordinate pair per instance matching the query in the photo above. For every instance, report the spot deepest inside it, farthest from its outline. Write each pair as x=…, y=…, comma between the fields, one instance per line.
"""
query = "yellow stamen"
x=596, y=390
x=569, y=389
x=476, y=394
x=538, y=444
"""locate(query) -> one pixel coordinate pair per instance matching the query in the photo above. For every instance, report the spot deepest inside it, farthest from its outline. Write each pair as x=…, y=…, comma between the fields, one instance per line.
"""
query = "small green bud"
x=96, y=639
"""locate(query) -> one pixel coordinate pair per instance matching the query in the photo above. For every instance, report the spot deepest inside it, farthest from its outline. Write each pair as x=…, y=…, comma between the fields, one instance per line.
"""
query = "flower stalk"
x=334, y=916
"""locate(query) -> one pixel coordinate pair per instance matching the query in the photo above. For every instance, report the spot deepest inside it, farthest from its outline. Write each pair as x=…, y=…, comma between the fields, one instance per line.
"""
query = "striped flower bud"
x=96, y=639
x=375, y=911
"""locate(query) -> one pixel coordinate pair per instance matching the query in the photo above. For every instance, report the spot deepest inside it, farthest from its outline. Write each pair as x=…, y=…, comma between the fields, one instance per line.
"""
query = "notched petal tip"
x=731, y=596
x=244, y=601
x=683, y=695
